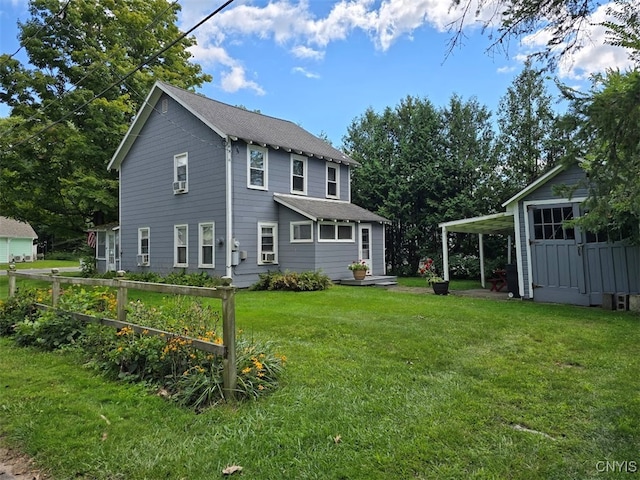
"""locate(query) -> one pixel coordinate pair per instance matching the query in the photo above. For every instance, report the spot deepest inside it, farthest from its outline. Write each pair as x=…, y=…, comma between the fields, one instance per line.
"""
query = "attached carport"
x=497, y=223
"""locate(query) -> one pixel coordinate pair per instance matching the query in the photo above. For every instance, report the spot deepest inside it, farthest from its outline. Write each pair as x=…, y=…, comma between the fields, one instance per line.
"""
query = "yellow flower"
x=260, y=387
x=246, y=370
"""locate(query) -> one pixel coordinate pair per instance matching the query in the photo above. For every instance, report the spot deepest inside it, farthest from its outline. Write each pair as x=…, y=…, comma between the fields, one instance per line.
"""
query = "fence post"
x=122, y=297
x=55, y=287
x=229, y=374
x=12, y=280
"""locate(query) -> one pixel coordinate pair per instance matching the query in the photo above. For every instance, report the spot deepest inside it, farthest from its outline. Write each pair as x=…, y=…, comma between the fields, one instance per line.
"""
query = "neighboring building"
x=206, y=186
x=105, y=240
x=17, y=241
x=555, y=262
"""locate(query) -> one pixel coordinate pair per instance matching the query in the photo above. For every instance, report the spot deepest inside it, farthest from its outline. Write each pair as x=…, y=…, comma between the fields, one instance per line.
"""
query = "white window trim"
x=274, y=226
x=201, y=264
x=175, y=245
x=305, y=175
x=148, y=230
x=266, y=167
x=337, y=169
x=300, y=240
x=177, y=157
x=336, y=239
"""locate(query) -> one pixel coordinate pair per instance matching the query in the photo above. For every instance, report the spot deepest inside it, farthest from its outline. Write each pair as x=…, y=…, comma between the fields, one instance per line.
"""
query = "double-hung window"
x=267, y=243
x=101, y=243
x=206, y=238
x=301, y=232
x=180, y=173
x=181, y=246
x=257, y=163
x=333, y=181
x=336, y=232
x=298, y=174
x=144, y=236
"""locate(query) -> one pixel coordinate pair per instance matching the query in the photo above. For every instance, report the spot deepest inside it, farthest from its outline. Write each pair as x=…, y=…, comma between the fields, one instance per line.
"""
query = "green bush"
x=49, y=330
x=16, y=309
x=292, y=281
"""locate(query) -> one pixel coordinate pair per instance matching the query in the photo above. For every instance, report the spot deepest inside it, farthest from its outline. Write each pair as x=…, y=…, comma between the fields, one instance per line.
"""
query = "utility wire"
x=90, y=70
x=129, y=74
x=25, y=42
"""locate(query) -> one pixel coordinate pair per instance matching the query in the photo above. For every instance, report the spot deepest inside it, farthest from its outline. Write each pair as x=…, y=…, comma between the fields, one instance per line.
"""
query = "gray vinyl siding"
x=147, y=198
x=572, y=176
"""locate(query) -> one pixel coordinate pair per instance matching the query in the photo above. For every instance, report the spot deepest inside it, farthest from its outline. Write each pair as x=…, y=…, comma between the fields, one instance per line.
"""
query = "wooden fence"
x=226, y=293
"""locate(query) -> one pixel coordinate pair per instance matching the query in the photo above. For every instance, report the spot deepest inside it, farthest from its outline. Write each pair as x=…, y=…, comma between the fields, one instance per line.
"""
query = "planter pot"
x=440, y=288
x=359, y=274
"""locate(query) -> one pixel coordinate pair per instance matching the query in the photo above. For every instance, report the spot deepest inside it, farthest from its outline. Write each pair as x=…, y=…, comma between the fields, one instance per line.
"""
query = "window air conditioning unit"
x=268, y=257
x=17, y=258
x=180, y=187
x=143, y=260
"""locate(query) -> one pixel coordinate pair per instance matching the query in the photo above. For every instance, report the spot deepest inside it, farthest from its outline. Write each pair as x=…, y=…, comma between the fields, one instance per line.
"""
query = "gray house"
x=206, y=186
x=554, y=262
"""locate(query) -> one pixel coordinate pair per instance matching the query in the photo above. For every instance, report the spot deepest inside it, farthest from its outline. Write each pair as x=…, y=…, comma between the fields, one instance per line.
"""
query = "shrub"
x=16, y=309
x=292, y=281
x=49, y=330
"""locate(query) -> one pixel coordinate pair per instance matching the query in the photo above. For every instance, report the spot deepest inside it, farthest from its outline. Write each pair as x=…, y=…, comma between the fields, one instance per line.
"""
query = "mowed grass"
x=378, y=385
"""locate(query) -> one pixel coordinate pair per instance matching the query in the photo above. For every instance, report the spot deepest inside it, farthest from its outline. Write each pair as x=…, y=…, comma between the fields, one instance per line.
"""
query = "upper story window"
x=267, y=243
x=333, y=180
x=298, y=174
x=257, y=162
x=206, y=237
x=144, y=236
x=335, y=232
x=181, y=246
x=180, y=173
x=301, y=232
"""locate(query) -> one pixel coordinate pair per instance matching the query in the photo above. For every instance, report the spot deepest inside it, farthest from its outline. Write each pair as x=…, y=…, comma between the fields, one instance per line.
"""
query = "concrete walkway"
x=43, y=270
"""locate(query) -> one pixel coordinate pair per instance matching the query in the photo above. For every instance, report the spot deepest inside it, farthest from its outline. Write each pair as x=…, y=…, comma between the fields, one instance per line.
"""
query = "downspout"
x=229, y=208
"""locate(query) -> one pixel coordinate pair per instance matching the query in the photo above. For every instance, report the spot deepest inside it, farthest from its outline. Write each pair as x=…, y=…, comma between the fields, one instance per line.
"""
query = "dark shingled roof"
x=319, y=209
x=255, y=127
x=15, y=229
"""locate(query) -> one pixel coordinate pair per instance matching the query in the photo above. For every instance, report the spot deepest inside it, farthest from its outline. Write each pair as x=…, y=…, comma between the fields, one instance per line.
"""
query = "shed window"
x=549, y=223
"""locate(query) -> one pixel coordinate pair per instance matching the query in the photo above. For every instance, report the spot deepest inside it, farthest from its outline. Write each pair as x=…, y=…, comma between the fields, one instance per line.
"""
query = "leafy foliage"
x=292, y=281
x=70, y=108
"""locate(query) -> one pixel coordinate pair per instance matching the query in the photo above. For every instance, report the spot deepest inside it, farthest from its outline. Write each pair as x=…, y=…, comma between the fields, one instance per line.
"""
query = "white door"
x=111, y=251
x=365, y=244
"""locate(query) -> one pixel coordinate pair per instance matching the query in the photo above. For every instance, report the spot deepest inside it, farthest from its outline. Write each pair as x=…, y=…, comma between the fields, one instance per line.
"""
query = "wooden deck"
x=371, y=280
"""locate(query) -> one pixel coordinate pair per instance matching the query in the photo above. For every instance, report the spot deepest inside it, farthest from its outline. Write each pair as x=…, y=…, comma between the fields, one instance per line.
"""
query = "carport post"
x=481, y=249
x=445, y=254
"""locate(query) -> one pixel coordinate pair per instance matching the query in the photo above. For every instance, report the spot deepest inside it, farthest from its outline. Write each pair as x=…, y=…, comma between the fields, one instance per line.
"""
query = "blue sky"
x=322, y=63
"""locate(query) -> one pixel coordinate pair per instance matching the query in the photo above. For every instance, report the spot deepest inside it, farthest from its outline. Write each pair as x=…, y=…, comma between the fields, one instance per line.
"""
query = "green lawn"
x=378, y=385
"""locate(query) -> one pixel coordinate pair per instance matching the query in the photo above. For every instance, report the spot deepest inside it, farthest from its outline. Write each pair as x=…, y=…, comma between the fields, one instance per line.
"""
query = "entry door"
x=557, y=251
x=365, y=244
x=111, y=251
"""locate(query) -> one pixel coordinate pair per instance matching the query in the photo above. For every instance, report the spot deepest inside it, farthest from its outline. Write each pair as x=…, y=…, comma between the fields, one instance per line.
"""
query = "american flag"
x=91, y=239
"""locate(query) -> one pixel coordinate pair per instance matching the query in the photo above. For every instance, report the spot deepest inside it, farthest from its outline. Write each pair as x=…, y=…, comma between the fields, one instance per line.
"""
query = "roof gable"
x=15, y=229
x=536, y=184
x=235, y=123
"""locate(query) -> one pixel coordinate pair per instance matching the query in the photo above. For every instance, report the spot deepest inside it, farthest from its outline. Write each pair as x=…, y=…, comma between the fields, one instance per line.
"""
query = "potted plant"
x=427, y=270
x=359, y=269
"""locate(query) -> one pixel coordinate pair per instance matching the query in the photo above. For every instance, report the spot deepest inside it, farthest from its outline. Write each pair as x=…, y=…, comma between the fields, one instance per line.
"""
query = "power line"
x=92, y=67
x=25, y=42
x=124, y=77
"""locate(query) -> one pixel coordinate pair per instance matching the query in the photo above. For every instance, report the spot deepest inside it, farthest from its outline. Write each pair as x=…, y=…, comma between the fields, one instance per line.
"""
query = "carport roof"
x=486, y=224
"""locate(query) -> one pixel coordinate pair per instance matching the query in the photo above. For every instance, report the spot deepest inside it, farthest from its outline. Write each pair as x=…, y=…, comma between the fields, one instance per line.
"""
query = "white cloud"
x=301, y=51
x=305, y=72
x=235, y=80
x=506, y=69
